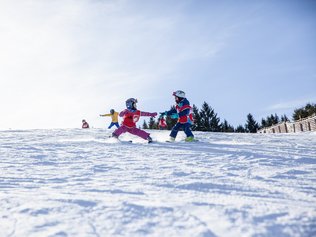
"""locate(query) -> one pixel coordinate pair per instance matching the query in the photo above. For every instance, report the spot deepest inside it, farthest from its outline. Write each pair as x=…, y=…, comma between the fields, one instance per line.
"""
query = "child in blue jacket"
x=183, y=112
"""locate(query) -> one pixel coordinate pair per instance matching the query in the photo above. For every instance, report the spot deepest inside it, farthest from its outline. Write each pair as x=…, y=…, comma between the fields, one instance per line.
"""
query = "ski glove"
x=153, y=114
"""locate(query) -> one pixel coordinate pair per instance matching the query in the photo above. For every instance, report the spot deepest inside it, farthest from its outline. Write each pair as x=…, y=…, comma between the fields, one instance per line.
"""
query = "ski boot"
x=149, y=139
x=171, y=139
x=189, y=139
x=114, y=136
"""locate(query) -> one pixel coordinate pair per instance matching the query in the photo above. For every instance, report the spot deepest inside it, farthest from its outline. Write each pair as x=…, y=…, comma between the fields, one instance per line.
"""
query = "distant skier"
x=85, y=124
x=114, y=116
x=131, y=116
x=162, y=123
x=182, y=111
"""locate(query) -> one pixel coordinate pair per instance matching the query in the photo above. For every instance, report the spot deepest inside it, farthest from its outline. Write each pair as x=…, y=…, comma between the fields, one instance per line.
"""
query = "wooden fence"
x=303, y=125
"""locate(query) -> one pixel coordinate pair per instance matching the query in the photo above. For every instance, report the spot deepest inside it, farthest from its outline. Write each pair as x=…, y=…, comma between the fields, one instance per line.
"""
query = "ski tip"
x=194, y=140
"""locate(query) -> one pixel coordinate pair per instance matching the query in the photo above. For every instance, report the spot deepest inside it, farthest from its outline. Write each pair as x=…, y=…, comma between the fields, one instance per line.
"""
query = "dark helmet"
x=131, y=103
x=83, y=121
x=112, y=111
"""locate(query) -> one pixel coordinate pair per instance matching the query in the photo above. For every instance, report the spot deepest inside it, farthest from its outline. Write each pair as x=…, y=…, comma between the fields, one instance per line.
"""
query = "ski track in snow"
x=74, y=182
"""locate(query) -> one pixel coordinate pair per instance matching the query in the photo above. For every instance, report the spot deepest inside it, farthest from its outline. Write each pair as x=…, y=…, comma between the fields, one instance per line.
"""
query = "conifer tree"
x=308, y=110
x=215, y=123
x=152, y=123
x=251, y=125
x=284, y=118
x=264, y=123
x=171, y=121
x=145, y=126
x=197, y=126
x=240, y=129
x=299, y=114
x=272, y=120
x=276, y=119
x=226, y=127
x=206, y=115
x=209, y=119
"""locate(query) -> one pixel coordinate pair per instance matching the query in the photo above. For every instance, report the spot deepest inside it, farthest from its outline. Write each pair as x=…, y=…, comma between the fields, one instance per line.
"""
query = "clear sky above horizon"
x=65, y=60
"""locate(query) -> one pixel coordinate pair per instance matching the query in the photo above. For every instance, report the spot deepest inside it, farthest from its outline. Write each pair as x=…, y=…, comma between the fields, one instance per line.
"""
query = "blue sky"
x=65, y=60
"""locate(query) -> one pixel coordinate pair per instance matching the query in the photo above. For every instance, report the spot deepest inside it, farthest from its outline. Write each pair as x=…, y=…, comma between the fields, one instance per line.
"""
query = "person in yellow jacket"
x=114, y=116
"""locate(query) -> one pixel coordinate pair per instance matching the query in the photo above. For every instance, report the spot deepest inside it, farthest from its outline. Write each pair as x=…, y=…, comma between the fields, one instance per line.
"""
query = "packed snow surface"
x=74, y=182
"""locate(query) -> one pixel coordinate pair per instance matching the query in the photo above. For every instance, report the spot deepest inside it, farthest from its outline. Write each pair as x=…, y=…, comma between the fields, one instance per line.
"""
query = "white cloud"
x=69, y=59
x=65, y=59
x=291, y=104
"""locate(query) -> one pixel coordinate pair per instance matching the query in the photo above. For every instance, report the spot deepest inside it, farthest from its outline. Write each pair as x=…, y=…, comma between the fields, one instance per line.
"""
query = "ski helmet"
x=112, y=111
x=179, y=94
x=131, y=103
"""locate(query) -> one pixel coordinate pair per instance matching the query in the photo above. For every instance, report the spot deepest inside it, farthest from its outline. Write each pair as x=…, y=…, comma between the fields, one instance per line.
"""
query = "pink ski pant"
x=135, y=131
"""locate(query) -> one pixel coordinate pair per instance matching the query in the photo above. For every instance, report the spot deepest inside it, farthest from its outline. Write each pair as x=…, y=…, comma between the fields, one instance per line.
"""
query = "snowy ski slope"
x=74, y=182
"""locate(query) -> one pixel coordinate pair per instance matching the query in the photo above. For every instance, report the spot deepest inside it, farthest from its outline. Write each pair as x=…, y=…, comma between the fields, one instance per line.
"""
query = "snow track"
x=73, y=182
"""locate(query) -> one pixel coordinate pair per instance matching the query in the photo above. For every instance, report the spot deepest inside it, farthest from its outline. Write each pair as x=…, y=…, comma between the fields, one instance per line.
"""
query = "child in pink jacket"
x=131, y=116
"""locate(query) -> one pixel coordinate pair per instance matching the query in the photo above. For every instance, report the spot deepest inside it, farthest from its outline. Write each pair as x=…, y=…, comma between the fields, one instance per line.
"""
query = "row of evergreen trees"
x=304, y=112
x=205, y=119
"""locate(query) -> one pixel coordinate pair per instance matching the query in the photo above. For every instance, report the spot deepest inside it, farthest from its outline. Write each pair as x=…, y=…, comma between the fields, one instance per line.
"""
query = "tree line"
x=207, y=120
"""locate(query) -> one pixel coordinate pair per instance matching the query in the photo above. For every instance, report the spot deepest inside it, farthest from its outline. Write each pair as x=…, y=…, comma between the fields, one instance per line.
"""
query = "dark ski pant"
x=112, y=124
x=133, y=130
x=186, y=129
